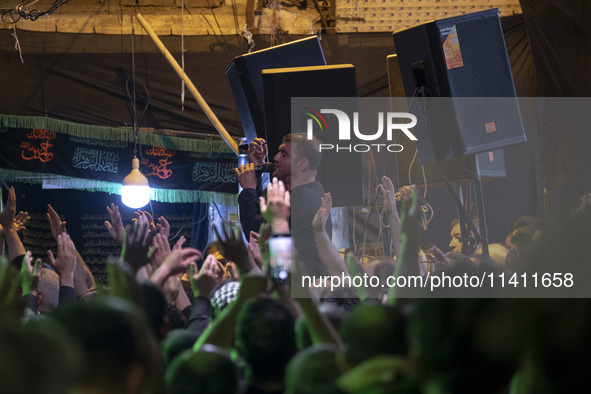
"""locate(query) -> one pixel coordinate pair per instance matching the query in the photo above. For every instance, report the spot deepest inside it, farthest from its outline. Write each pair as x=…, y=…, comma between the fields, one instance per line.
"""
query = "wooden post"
x=200, y=100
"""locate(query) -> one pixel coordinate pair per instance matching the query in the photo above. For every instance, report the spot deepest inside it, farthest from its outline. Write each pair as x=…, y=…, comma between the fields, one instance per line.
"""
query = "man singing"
x=296, y=165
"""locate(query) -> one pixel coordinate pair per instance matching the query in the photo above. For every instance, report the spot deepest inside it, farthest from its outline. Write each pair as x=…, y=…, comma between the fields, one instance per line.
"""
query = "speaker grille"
x=478, y=68
x=486, y=71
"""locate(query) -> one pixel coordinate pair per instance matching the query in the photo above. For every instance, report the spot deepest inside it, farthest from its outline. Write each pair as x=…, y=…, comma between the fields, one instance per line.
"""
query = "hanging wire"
x=34, y=14
x=133, y=102
x=137, y=146
x=17, y=44
x=10, y=16
x=248, y=37
x=373, y=207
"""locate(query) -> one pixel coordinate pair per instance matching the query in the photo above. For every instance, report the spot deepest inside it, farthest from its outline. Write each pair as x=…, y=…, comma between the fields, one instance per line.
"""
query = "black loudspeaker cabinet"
x=462, y=56
x=340, y=173
x=244, y=75
x=491, y=164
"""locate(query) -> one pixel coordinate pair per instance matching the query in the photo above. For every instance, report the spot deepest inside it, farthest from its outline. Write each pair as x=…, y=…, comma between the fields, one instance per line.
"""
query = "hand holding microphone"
x=246, y=176
x=257, y=151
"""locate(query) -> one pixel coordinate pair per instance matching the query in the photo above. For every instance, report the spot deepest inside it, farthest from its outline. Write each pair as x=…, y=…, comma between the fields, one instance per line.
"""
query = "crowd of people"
x=173, y=319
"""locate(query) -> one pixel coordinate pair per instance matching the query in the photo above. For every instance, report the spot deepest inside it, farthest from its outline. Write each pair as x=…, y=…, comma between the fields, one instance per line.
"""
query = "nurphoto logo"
x=389, y=121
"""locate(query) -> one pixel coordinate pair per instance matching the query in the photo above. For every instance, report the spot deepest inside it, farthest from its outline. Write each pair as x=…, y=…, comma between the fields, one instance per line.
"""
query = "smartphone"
x=280, y=259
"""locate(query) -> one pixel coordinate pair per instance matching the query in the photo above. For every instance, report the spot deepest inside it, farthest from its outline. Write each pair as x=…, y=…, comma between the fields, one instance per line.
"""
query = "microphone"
x=261, y=168
x=265, y=167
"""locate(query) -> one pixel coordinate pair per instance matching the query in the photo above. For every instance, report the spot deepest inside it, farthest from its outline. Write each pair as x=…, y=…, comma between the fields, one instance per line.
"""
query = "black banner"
x=43, y=152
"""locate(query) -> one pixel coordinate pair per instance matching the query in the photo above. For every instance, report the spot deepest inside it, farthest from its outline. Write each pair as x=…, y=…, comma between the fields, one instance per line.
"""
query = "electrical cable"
x=374, y=204
x=34, y=14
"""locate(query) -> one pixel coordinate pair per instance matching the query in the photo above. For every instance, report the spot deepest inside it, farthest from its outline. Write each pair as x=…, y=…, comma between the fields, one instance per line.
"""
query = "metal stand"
x=472, y=174
x=480, y=235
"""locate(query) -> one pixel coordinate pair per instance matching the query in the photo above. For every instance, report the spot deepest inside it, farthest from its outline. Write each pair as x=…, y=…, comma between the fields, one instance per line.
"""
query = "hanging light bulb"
x=135, y=192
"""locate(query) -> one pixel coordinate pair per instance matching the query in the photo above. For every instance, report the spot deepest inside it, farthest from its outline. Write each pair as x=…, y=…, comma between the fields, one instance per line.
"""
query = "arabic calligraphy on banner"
x=88, y=157
x=95, y=159
x=160, y=168
x=32, y=149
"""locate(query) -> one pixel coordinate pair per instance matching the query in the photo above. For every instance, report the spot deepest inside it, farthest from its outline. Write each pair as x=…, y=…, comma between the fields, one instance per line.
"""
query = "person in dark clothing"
x=296, y=165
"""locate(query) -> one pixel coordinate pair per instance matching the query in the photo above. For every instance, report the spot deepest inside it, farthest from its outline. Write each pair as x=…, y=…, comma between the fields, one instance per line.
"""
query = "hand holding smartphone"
x=280, y=259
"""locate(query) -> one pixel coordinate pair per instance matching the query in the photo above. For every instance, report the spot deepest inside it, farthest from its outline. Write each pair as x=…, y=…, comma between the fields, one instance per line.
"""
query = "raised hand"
x=321, y=217
x=163, y=227
x=115, y=226
x=9, y=226
x=162, y=250
x=276, y=208
x=176, y=263
x=65, y=263
x=263, y=240
x=137, y=250
x=257, y=151
x=7, y=217
x=411, y=214
x=438, y=259
x=204, y=281
x=29, y=274
x=408, y=262
x=55, y=223
x=232, y=247
x=179, y=244
x=20, y=220
x=148, y=216
x=387, y=190
x=254, y=253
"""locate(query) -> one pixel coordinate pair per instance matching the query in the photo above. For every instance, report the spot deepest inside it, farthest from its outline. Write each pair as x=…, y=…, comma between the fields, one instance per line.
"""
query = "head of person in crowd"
x=523, y=228
x=120, y=354
x=210, y=370
x=524, y=231
x=313, y=370
x=298, y=160
x=37, y=357
x=333, y=312
x=223, y=295
x=265, y=337
x=370, y=330
x=48, y=290
x=343, y=297
x=154, y=307
x=381, y=267
x=467, y=345
x=460, y=261
x=496, y=252
x=456, y=243
x=176, y=342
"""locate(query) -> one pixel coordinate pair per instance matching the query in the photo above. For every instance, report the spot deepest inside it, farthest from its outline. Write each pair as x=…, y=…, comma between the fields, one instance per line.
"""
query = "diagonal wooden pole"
x=200, y=100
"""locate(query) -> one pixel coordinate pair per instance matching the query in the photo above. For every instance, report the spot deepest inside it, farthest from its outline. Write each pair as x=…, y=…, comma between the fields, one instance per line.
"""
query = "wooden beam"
x=200, y=100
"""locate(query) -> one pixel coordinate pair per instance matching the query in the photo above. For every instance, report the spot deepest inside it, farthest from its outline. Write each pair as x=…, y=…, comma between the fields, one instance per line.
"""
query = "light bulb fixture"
x=135, y=192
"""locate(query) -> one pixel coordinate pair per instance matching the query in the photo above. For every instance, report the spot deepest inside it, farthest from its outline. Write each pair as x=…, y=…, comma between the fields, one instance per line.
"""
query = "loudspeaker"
x=491, y=164
x=340, y=172
x=462, y=56
x=244, y=75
